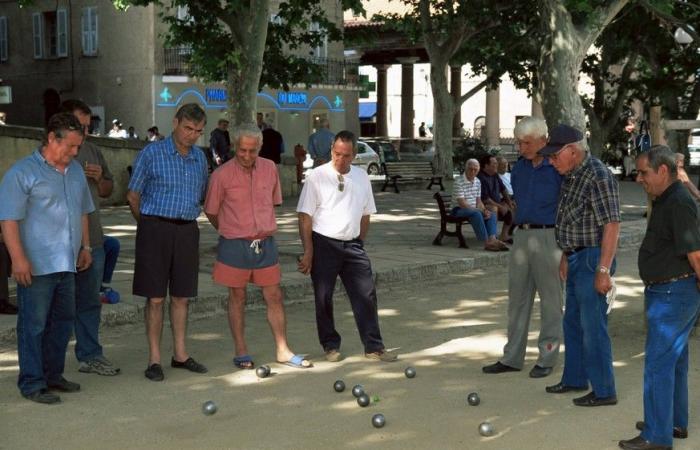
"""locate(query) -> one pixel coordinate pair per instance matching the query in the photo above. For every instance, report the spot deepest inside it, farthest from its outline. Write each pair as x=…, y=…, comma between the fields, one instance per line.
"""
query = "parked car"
x=367, y=158
x=386, y=151
x=418, y=151
x=694, y=152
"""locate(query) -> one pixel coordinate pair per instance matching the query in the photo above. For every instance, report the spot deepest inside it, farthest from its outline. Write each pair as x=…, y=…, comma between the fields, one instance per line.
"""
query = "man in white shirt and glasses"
x=334, y=212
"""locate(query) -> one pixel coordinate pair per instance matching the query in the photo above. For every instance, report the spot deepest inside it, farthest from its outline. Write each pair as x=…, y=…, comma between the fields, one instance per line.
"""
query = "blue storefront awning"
x=368, y=110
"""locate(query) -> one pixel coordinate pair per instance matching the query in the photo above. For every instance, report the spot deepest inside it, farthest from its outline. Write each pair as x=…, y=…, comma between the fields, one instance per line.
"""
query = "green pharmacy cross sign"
x=366, y=86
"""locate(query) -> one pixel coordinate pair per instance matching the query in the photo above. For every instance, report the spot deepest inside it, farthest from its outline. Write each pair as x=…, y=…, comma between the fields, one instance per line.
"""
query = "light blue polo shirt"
x=49, y=206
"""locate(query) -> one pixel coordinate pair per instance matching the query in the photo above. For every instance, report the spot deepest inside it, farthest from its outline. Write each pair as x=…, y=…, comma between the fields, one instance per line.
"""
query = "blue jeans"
x=588, y=354
x=44, y=325
x=88, y=308
x=111, y=247
x=482, y=228
x=672, y=309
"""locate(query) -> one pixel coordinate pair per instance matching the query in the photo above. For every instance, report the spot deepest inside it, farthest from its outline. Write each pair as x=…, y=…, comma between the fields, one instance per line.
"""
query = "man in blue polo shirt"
x=44, y=208
x=165, y=195
x=535, y=256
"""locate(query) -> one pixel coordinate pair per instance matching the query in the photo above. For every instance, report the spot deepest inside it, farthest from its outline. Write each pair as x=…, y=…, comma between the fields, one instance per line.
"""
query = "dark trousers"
x=349, y=260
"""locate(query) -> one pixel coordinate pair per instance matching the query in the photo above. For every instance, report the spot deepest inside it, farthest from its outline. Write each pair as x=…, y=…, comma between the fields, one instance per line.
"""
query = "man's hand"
x=602, y=283
x=93, y=171
x=84, y=259
x=563, y=267
x=22, y=271
x=305, y=262
x=486, y=213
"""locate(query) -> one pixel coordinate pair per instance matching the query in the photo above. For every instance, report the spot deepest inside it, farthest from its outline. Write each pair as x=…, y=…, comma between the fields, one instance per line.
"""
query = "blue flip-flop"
x=297, y=361
x=244, y=362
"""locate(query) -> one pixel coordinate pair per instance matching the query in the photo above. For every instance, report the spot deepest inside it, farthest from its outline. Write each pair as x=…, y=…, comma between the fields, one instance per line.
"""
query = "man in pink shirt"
x=240, y=204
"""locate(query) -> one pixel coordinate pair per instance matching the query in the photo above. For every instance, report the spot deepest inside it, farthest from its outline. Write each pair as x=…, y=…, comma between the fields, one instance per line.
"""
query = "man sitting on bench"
x=467, y=194
x=495, y=196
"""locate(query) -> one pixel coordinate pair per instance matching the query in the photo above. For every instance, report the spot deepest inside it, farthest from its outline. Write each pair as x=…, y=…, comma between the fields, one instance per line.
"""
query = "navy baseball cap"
x=560, y=136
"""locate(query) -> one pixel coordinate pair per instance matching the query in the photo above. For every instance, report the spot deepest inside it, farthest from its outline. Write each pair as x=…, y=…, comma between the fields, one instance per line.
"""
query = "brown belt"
x=670, y=280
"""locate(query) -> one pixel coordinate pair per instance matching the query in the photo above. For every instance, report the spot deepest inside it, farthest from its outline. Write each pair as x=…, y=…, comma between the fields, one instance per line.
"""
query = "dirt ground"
x=447, y=330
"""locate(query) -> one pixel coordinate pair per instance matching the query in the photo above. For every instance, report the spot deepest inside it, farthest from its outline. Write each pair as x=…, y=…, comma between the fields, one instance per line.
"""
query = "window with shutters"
x=3, y=39
x=89, y=30
x=50, y=30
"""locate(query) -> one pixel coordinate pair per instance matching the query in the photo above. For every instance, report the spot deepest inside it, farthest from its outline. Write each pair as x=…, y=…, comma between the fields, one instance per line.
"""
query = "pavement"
x=399, y=245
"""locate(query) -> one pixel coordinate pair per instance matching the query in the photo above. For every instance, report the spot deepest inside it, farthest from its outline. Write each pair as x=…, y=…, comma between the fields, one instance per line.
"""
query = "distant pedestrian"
x=117, y=130
x=421, y=130
x=44, y=213
x=320, y=143
x=220, y=143
x=165, y=193
x=241, y=204
x=272, y=145
x=154, y=134
x=334, y=214
x=669, y=266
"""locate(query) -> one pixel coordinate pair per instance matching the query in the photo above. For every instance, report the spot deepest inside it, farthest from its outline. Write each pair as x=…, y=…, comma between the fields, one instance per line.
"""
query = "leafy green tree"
x=242, y=43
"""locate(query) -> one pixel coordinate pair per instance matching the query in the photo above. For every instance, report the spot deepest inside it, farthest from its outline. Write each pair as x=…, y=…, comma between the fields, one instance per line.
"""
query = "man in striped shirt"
x=467, y=194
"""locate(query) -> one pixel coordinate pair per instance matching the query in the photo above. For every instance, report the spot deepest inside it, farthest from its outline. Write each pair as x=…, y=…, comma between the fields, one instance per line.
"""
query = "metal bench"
x=420, y=170
x=444, y=204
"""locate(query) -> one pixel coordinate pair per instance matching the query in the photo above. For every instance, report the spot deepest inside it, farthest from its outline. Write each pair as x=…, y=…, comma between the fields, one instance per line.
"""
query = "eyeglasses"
x=555, y=156
x=341, y=183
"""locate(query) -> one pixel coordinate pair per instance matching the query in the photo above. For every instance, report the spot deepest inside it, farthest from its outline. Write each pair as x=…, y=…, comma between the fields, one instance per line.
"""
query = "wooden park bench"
x=444, y=204
x=419, y=170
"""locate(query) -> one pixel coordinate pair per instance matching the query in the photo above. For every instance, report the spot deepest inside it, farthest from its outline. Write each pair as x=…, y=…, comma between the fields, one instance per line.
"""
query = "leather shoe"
x=591, y=400
x=561, y=388
x=540, y=372
x=498, y=368
x=189, y=364
x=154, y=372
x=43, y=396
x=678, y=432
x=639, y=443
x=63, y=385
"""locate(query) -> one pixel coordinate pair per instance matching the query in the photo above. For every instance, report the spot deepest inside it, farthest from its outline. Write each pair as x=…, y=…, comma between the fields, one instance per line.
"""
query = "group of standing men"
x=567, y=226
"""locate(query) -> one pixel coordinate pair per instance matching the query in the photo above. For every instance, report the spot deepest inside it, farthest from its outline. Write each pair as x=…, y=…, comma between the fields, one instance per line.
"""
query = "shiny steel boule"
x=486, y=429
x=358, y=390
x=363, y=400
x=473, y=399
x=209, y=408
x=378, y=420
x=339, y=386
x=262, y=371
x=410, y=372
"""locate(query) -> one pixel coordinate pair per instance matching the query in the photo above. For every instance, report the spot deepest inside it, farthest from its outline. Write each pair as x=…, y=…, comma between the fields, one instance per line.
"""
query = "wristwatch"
x=86, y=247
x=603, y=269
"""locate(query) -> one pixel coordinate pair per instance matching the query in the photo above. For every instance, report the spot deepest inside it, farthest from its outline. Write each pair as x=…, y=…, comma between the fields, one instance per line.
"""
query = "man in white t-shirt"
x=334, y=211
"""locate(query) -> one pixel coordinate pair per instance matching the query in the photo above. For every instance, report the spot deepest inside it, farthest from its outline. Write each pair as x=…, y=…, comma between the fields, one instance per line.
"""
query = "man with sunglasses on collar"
x=587, y=228
x=334, y=212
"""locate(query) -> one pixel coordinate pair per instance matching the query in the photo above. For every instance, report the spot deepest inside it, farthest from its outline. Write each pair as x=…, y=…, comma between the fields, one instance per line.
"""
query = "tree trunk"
x=598, y=136
x=561, y=56
x=243, y=81
x=443, y=112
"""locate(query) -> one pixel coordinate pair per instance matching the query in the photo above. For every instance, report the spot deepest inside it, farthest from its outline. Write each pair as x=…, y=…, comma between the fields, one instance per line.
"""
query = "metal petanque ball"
x=262, y=371
x=339, y=386
x=358, y=390
x=473, y=399
x=363, y=400
x=378, y=420
x=209, y=408
x=486, y=429
x=410, y=372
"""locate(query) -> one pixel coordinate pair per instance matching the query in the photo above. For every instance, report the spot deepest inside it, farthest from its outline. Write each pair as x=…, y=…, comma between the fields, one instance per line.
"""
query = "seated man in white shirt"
x=467, y=195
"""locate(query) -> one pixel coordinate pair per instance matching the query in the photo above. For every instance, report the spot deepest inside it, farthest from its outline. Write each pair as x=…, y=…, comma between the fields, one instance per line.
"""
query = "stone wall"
x=17, y=142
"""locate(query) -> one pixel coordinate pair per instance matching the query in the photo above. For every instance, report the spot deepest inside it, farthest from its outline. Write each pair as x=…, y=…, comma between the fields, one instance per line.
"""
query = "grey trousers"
x=534, y=267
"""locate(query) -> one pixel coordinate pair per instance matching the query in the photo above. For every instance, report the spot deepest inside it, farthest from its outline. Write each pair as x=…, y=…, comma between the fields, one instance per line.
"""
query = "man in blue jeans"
x=467, y=194
x=669, y=265
x=587, y=228
x=44, y=211
x=88, y=307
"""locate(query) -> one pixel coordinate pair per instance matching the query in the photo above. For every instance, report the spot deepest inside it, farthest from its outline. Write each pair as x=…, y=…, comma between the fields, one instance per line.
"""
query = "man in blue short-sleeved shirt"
x=166, y=191
x=44, y=221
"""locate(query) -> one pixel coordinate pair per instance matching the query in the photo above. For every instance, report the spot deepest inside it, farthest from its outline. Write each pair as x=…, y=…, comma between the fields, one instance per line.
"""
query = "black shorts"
x=167, y=258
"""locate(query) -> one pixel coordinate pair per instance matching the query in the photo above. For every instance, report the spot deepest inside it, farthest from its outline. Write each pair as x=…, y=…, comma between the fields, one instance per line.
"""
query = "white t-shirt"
x=336, y=214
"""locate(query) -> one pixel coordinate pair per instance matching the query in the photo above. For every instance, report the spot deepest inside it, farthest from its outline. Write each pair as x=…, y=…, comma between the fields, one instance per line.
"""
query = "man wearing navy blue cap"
x=587, y=228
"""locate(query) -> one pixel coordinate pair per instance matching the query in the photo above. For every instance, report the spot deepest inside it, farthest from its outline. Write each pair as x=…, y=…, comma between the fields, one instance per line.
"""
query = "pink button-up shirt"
x=243, y=201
